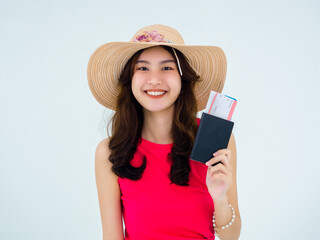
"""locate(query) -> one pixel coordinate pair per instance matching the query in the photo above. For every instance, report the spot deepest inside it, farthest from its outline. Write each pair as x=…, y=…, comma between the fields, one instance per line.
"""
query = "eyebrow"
x=162, y=62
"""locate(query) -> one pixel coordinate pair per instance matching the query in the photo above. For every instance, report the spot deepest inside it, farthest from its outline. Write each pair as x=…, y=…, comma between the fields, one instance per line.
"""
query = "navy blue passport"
x=213, y=134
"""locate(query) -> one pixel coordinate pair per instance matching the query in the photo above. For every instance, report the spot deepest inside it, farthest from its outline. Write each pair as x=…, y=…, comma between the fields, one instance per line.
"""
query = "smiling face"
x=156, y=82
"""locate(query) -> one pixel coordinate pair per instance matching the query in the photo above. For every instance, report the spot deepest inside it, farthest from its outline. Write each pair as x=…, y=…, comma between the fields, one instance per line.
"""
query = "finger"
x=226, y=162
x=220, y=172
x=225, y=151
x=226, y=173
x=219, y=158
x=219, y=169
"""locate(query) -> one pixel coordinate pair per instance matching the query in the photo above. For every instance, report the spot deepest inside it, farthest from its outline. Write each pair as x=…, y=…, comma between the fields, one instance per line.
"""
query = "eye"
x=142, y=68
x=167, y=68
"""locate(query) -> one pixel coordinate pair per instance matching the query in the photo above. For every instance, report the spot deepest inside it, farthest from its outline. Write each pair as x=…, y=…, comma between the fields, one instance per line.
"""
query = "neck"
x=157, y=126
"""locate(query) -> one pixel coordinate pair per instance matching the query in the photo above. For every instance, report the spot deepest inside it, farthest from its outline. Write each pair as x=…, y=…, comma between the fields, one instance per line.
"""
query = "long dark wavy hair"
x=128, y=120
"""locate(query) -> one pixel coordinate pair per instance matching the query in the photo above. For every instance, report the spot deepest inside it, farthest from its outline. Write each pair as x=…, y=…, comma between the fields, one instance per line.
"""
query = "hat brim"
x=107, y=62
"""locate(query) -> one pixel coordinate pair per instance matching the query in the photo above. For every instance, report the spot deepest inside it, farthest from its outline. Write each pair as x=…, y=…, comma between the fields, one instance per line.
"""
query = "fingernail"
x=215, y=154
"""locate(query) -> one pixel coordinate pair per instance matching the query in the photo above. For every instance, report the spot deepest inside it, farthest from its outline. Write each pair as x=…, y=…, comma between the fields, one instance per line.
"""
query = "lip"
x=155, y=90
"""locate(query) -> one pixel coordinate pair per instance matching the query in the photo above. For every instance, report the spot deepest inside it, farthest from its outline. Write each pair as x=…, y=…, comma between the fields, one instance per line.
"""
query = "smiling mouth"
x=155, y=93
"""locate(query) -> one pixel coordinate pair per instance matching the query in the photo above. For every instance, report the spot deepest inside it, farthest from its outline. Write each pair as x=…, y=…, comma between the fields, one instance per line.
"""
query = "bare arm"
x=222, y=185
x=108, y=194
x=223, y=213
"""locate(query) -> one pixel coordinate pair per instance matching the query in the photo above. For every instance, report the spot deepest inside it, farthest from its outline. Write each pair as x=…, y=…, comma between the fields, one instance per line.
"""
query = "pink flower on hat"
x=153, y=36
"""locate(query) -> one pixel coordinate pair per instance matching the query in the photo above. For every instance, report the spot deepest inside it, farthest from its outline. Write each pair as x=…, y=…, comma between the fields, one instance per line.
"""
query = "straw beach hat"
x=107, y=62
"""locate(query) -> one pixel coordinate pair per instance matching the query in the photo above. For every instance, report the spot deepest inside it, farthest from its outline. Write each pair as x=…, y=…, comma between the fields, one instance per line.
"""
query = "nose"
x=154, y=79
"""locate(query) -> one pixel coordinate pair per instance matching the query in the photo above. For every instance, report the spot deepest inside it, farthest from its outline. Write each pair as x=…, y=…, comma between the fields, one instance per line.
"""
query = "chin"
x=157, y=109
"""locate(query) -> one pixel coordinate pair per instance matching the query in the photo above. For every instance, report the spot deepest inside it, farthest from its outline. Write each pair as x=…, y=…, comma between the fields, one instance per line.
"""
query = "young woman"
x=156, y=84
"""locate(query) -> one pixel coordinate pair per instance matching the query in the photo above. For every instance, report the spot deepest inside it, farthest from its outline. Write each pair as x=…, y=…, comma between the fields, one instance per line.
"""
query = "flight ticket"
x=220, y=105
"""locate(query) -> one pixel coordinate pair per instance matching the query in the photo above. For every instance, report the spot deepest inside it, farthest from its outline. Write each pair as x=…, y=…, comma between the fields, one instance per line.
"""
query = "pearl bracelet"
x=224, y=226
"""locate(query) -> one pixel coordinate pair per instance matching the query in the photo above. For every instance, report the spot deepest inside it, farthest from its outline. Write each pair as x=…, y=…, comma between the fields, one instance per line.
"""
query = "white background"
x=50, y=124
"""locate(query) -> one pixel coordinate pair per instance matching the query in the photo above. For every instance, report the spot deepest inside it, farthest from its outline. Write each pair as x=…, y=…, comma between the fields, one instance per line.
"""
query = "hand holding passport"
x=215, y=127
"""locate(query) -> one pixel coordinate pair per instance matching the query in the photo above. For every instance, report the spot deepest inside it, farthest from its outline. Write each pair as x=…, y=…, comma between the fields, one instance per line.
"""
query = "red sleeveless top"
x=153, y=208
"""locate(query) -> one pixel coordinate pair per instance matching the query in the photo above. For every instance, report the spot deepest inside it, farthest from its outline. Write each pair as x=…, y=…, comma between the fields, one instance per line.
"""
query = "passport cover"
x=213, y=134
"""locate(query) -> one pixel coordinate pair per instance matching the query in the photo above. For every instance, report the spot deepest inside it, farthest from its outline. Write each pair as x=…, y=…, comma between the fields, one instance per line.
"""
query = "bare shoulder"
x=103, y=166
x=102, y=153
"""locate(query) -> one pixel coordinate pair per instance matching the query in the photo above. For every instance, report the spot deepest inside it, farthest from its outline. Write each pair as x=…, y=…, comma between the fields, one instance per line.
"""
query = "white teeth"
x=155, y=93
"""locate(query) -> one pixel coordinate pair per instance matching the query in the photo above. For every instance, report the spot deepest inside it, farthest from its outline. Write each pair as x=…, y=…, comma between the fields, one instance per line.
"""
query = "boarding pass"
x=220, y=105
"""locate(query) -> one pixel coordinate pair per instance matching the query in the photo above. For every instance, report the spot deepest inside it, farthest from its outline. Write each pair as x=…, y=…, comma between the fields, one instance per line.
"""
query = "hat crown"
x=158, y=33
